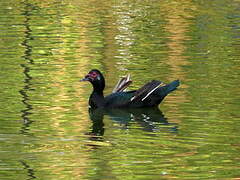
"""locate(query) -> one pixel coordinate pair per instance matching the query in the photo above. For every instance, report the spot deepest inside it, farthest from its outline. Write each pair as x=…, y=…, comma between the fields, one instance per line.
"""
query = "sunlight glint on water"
x=47, y=131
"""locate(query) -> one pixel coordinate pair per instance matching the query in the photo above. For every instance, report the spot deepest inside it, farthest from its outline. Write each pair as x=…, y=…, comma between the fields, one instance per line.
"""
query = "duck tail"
x=171, y=86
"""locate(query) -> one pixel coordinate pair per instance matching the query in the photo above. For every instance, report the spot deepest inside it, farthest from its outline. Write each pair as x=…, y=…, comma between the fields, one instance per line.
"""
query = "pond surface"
x=47, y=131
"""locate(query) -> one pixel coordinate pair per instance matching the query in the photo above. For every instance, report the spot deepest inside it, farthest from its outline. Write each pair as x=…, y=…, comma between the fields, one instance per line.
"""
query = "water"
x=46, y=129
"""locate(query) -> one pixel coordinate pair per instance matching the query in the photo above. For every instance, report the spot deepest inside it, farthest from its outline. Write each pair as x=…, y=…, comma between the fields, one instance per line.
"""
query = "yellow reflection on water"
x=64, y=78
x=177, y=15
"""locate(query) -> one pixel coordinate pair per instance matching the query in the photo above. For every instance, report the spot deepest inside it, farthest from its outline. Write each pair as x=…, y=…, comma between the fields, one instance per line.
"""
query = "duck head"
x=96, y=78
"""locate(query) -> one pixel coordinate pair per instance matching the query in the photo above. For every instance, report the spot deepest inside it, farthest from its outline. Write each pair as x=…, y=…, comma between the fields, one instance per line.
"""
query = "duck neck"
x=97, y=98
x=98, y=90
x=98, y=86
x=97, y=93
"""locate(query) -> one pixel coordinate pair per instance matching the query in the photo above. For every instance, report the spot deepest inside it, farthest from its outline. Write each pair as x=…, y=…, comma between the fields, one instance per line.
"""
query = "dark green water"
x=46, y=131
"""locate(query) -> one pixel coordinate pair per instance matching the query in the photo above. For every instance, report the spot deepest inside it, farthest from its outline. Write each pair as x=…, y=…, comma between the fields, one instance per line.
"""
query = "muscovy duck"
x=150, y=95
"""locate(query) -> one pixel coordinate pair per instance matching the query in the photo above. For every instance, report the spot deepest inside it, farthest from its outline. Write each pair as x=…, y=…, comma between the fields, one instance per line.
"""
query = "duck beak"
x=85, y=79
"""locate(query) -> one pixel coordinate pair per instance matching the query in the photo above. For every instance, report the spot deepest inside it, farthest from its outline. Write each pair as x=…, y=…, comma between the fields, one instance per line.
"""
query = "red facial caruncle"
x=93, y=75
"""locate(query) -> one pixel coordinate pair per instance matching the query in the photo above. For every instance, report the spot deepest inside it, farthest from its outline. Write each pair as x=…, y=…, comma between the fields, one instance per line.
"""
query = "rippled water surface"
x=46, y=129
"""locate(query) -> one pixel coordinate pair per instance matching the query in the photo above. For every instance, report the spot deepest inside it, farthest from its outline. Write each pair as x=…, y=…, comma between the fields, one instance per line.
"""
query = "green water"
x=46, y=130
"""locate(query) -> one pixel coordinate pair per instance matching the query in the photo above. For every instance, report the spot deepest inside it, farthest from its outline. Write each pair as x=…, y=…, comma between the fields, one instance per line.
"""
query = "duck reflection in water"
x=150, y=119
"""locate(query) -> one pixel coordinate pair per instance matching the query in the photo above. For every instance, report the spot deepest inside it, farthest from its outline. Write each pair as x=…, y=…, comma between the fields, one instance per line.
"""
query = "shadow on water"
x=149, y=119
x=30, y=171
x=26, y=69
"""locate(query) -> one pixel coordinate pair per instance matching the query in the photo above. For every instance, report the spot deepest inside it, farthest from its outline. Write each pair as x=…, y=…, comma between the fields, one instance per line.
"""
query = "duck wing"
x=122, y=84
x=152, y=93
x=119, y=99
x=147, y=90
